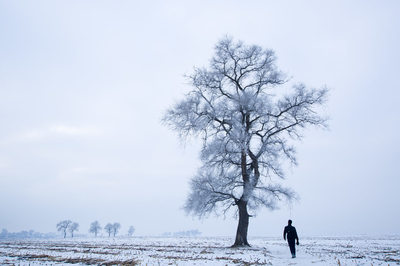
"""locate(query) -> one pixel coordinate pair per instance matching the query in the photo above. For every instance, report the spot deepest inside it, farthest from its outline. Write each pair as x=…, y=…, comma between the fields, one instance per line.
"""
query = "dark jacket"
x=290, y=233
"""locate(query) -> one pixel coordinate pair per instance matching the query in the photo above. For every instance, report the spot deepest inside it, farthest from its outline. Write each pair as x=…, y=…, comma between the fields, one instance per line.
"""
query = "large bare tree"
x=246, y=120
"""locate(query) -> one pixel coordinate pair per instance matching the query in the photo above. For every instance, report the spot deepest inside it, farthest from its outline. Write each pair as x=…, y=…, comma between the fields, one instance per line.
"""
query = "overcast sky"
x=84, y=84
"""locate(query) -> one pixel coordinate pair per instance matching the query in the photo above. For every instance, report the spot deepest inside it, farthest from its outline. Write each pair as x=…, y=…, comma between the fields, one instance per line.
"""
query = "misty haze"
x=199, y=133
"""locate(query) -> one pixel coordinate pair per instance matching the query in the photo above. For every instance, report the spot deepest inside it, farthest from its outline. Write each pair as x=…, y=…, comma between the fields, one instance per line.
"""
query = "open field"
x=201, y=251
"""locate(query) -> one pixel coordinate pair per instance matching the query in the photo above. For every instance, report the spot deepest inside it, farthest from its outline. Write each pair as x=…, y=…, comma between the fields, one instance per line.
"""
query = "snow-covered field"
x=201, y=251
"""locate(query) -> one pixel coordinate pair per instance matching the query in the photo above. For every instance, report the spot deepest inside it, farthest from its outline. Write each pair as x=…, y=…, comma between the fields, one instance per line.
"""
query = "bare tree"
x=95, y=228
x=109, y=229
x=246, y=126
x=131, y=230
x=63, y=226
x=115, y=228
x=72, y=228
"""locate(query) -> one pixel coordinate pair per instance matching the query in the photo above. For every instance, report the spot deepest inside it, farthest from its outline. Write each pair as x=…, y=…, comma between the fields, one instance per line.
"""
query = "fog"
x=84, y=85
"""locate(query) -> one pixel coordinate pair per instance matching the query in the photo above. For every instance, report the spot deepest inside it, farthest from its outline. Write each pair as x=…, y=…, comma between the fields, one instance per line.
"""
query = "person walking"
x=290, y=234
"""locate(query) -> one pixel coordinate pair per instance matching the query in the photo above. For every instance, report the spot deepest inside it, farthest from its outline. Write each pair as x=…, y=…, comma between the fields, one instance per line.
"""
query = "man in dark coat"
x=291, y=235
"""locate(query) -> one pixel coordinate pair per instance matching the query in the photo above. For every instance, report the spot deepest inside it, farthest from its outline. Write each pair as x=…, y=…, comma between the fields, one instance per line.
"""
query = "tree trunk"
x=241, y=233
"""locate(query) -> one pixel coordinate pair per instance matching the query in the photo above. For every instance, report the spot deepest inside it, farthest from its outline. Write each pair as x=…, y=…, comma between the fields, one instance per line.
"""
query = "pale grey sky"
x=84, y=84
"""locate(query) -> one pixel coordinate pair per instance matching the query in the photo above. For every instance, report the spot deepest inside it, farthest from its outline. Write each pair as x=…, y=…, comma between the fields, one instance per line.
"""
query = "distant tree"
x=166, y=234
x=115, y=229
x=95, y=228
x=193, y=233
x=4, y=233
x=109, y=229
x=63, y=226
x=131, y=230
x=247, y=126
x=72, y=228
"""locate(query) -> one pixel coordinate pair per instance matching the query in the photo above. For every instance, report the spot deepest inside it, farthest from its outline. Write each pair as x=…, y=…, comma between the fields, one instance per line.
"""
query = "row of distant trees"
x=95, y=228
x=25, y=234
x=189, y=233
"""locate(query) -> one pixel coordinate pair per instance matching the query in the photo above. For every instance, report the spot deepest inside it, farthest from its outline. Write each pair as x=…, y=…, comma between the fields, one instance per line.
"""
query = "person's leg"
x=294, y=250
x=292, y=247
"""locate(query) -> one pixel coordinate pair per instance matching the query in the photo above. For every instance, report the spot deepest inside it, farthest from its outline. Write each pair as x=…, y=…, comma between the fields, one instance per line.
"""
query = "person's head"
x=289, y=222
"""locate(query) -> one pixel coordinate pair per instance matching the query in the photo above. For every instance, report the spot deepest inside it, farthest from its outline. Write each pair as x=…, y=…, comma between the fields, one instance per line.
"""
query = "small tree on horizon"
x=115, y=228
x=63, y=226
x=72, y=228
x=109, y=229
x=95, y=228
x=131, y=230
x=247, y=126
